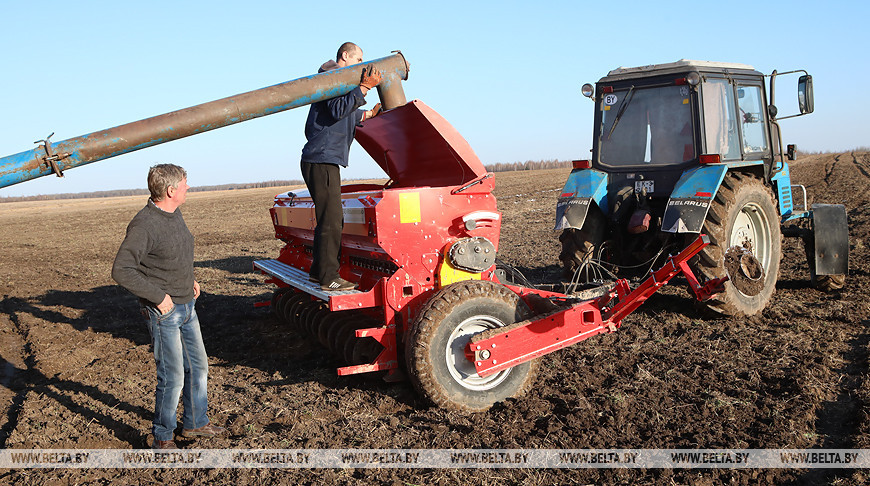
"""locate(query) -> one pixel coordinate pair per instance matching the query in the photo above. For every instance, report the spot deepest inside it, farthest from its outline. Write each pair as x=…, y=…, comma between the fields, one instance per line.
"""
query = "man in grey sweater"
x=155, y=263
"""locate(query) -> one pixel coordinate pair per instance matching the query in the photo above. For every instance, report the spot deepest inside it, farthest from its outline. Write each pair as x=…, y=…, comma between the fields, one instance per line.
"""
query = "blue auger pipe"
x=55, y=157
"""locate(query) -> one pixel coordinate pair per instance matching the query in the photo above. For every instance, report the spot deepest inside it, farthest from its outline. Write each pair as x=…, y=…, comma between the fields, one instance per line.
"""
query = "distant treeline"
x=528, y=165
x=499, y=167
x=144, y=192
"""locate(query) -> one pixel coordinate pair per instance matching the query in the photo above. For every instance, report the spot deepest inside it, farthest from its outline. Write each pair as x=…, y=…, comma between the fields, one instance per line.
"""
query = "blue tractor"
x=694, y=147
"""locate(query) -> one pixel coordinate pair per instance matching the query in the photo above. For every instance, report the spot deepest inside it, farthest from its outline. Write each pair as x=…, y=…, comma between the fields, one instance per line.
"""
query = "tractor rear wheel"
x=580, y=246
x=742, y=214
x=435, y=346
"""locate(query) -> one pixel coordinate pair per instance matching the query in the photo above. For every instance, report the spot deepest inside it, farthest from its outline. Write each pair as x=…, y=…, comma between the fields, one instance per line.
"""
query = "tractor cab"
x=652, y=123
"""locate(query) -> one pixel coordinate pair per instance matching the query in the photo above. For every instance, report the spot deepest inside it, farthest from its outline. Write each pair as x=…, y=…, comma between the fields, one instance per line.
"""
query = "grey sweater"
x=156, y=257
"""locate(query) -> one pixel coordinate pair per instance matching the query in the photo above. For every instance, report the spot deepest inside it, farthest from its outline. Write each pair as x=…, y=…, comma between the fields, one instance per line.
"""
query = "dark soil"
x=77, y=370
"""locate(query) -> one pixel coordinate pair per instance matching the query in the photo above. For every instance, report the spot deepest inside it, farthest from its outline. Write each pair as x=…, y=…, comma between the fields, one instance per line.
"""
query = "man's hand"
x=165, y=306
x=195, y=289
x=370, y=78
x=372, y=113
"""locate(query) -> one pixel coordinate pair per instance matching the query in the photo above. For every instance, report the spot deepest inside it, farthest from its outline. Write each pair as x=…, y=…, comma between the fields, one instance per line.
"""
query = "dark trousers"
x=324, y=184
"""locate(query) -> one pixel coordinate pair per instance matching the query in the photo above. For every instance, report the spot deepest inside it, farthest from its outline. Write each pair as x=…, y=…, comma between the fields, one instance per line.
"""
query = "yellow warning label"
x=409, y=207
x=447, y=275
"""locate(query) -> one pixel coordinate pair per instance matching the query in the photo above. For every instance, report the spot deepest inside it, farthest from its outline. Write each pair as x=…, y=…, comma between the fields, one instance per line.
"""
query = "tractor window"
x=749, y=100
x=720, y=121
x=643, y=126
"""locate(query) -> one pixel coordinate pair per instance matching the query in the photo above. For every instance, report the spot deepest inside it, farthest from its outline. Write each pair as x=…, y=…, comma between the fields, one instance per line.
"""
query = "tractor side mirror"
x=791, y=150
x=805, y=94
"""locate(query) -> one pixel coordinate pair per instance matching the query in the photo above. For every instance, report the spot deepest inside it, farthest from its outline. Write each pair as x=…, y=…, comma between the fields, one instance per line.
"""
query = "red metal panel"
x=409, y=144
x=537, y=337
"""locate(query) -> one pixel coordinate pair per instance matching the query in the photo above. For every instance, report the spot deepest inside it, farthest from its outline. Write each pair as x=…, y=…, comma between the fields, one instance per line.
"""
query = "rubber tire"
x=428, y=339
x=739, y=191
x=579, y=245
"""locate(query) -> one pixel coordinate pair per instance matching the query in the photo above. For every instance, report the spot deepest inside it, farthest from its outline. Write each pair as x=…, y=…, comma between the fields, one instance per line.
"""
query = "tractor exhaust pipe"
x=50, y=157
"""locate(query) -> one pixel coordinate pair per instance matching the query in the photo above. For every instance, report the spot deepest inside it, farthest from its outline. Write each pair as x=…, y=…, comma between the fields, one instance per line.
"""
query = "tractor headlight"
x=693, y=78
x=587, y=90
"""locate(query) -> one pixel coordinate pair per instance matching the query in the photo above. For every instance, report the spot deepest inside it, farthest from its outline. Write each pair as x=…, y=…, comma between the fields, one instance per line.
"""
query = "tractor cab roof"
x=681, y=66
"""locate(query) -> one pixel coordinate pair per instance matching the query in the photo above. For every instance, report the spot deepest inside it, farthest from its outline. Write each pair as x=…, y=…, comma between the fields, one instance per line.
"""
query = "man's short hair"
x=163, y=176
x=346, y=47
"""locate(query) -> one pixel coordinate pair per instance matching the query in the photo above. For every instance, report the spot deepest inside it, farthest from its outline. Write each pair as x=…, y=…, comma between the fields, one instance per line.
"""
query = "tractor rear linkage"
x=498, y=349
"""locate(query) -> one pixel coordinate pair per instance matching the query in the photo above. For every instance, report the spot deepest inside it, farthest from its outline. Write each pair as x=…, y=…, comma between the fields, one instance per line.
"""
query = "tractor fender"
x=690, y=200
x=583, y=187
x=830, y=239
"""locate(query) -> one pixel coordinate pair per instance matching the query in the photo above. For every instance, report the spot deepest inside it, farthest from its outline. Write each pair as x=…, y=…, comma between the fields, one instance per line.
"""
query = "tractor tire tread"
x=710, y=261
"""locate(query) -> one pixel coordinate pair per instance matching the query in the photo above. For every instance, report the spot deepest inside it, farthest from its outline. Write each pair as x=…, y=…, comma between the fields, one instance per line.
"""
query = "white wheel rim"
x=461, y=368
x=752, y=226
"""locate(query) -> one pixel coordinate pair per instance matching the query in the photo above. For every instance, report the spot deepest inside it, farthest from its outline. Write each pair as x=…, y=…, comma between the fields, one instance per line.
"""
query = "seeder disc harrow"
x=365, y=350
x=276, y=299
x=334, y=330
x=294, y=307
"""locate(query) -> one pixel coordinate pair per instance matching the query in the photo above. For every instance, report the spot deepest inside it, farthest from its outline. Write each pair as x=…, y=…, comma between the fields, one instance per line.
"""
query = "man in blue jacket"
x=330, y=130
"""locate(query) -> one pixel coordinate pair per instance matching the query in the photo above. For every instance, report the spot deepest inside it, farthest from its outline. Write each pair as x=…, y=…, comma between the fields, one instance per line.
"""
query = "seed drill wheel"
x=742, y=214
x=435, y=346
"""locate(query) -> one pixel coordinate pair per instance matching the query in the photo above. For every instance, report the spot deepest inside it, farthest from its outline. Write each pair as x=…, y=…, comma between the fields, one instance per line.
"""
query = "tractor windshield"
x=643, y=126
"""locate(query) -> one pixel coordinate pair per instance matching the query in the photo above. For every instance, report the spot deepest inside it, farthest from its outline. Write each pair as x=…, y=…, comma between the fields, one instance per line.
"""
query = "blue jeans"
x=182, y=369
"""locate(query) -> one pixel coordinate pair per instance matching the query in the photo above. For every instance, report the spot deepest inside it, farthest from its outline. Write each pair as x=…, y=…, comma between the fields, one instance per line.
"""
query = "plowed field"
x=76, y=369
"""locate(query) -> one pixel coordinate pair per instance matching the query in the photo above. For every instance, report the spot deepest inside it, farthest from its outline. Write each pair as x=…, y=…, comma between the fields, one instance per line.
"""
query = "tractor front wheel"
x=436, y=341
x=743, y=214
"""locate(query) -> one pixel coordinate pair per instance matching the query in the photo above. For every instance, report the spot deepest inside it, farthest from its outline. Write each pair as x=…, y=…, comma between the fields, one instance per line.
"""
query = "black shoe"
x=337, y=283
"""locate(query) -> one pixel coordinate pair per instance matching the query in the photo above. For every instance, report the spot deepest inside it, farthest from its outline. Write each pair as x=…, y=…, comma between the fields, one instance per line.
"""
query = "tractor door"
x=735, y=121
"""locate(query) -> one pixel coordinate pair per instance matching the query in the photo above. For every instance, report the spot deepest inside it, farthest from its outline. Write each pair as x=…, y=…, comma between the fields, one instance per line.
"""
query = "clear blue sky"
x=506, y=74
